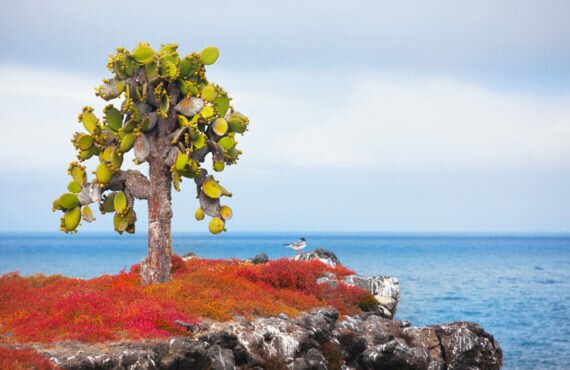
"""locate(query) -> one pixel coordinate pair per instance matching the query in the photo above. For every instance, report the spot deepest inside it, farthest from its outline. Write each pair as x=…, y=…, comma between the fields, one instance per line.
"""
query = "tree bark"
x=156, y=268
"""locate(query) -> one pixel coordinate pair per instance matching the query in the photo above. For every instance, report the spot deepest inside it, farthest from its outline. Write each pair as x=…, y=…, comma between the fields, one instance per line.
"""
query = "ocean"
x=517, y=287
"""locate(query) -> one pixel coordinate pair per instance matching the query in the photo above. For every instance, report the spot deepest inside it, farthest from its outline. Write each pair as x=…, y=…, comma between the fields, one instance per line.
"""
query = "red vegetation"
x=23, y=359
x=52, y=308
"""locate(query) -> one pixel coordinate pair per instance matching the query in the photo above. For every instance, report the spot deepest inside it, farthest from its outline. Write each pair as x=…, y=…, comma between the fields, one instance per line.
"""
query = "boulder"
x=323, y=255
x=260, y=258
x=386, y=290
x=465, y=345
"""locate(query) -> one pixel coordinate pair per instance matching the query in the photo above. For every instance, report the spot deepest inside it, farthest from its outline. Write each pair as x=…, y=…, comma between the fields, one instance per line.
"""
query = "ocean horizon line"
x=143, y=233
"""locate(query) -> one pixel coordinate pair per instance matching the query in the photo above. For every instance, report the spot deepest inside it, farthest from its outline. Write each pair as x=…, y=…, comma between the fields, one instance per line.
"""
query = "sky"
x=441, y=116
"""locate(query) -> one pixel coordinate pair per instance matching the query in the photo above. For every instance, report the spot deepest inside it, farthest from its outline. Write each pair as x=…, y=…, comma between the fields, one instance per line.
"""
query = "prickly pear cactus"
x=150, y=89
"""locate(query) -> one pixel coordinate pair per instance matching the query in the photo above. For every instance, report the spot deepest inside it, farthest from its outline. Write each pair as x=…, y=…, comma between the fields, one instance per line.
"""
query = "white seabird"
x=297, y=246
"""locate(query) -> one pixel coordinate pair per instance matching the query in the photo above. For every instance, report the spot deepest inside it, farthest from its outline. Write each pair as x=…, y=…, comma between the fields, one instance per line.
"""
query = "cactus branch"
x=137, y=184
x=131, y=180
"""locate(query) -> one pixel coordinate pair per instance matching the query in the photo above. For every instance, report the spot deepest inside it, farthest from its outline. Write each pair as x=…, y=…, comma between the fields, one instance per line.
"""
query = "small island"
x=306, y=312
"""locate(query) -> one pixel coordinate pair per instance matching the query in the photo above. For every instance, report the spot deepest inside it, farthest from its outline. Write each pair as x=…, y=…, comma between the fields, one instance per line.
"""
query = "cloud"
x=39, y=116
x=389, y=122
x=522, y=42
x=364, y=121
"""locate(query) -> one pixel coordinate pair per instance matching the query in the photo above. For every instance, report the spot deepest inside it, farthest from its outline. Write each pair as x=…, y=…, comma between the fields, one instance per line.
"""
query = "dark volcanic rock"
x=394, y=355
x=466, y=345
x=312, y=341
x=260, y=258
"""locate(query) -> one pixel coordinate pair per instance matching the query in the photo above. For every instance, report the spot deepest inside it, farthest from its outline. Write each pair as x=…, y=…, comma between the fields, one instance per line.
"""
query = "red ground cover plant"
x=52, y=308
x=23, y=359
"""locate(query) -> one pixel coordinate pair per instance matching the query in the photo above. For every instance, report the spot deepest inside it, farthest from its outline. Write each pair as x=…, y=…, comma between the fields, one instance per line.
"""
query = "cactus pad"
x=209, y=55
x=120, y=202
x=143, y=53
x=199, y=215
x=216, y=225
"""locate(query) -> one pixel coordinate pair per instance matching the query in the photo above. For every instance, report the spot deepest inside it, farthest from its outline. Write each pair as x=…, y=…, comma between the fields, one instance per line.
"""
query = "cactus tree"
x=170, y=117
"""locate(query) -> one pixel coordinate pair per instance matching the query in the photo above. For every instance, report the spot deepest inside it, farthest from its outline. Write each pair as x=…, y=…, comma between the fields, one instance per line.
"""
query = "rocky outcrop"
x=386, y=290
x=323, y=255
x=315, y=340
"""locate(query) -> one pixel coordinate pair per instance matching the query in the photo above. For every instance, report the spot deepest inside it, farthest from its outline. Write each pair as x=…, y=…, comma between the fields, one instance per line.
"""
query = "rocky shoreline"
x=315, y=340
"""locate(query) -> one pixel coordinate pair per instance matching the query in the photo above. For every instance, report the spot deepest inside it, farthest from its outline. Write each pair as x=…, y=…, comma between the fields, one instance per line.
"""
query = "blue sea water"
x=516, y=286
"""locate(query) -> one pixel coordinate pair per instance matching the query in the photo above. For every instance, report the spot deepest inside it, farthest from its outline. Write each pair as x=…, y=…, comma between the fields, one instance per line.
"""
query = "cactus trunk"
x=156, y=269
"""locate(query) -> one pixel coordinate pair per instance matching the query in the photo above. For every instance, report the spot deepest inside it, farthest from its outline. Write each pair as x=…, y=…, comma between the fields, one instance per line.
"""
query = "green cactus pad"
x=176, y=180
x=222, y=104
x=227, y=142
x=136, y=114
x=71, y=219
x=209, y=93
x=90, y=122
x=199, y=141
x=170, y=57
x=190, y=66
x=209, y=55
x=168, y=70
x=107, y=204
x=129, y=127
x=86, y=154
x=56, y=206
x=151, y=71
x=69, y=201
x=74, y=187
x=181, y=161
x=143, y=53
x=219, y=166
x=84, y=141
x=103, y=173
x=164, y=105
x=186, y=87
x=207, y=112
x=78, y=173
x=116, y=160
x=238, y=122
x=120, y=202
x=232, y=155
x=167, y=49
x=113, y=117
x=127, y=142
